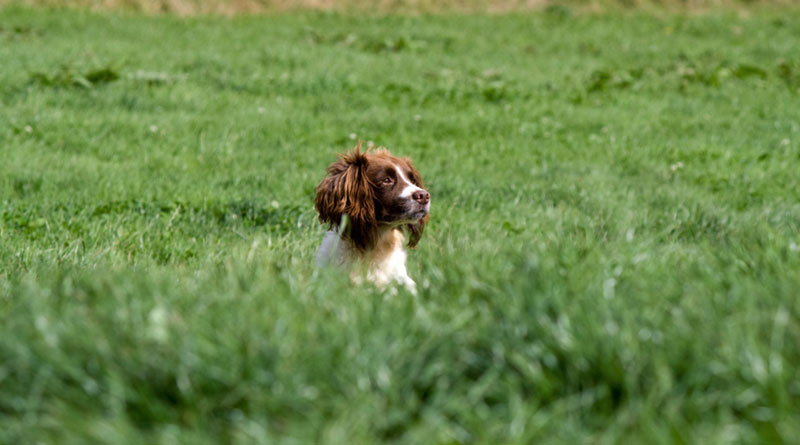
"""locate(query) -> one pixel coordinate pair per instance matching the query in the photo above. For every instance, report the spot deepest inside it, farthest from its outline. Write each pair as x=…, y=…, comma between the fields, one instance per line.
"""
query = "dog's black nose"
x=421, y=196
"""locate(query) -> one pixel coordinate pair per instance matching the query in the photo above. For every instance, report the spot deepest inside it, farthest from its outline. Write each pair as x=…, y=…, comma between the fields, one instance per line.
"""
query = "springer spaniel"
x=366, y=200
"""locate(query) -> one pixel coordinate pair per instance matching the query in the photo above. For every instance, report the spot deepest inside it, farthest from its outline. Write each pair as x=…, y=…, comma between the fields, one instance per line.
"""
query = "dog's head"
x=374, y=190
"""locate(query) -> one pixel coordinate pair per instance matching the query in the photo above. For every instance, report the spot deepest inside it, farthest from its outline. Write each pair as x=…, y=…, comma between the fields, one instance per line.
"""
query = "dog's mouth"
x=410, y=214
x=408, y=218
x=419, y=214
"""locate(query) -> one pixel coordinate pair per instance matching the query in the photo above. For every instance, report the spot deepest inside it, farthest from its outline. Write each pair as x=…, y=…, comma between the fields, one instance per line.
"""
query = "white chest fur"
x=384, y=264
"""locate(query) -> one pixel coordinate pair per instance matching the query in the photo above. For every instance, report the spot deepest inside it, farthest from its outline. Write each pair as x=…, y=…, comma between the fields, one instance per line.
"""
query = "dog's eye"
x=387, y=180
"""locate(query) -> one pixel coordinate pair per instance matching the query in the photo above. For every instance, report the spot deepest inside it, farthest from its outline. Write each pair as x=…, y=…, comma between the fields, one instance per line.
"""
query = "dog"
x=368, y=200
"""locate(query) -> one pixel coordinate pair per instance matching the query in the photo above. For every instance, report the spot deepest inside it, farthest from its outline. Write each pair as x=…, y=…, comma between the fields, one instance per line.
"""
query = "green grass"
x=235, y=7
x=613, y=254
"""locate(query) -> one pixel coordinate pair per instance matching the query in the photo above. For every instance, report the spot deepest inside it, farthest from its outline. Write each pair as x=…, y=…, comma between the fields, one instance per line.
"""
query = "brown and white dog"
x=368, y=199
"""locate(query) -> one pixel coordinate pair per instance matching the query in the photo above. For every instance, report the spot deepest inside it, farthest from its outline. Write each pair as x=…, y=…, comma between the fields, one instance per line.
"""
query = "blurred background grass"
x=232, y=7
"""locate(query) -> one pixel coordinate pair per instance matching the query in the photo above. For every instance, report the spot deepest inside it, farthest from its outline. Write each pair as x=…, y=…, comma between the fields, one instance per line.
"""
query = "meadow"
x=613, y=253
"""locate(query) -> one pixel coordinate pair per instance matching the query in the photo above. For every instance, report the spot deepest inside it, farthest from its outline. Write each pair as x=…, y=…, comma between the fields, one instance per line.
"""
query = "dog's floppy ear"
x=415, y=231
x=347, y=191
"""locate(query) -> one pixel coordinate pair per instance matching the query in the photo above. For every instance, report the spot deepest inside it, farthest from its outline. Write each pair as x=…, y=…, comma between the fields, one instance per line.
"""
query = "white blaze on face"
x=409, y=187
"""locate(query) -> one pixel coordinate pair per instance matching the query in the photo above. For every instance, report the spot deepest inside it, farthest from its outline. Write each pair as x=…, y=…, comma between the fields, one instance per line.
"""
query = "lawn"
x=613, y=253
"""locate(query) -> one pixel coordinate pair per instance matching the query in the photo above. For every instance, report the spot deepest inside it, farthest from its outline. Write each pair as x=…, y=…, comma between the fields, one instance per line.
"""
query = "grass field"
x=613, y=254
x=237, y=7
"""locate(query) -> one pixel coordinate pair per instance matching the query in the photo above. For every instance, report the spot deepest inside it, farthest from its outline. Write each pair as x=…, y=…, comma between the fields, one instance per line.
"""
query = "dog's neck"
x=383, y=264
x=386, y=262
x=389, y=239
